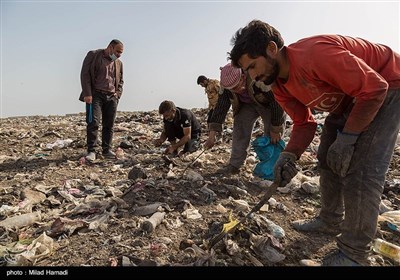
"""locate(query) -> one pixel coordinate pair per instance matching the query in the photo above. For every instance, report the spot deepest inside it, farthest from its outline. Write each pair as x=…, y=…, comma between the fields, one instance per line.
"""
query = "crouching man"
x=181, y=128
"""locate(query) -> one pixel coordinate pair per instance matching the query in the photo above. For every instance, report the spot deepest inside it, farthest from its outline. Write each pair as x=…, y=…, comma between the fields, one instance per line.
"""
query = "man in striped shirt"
x=250, y=100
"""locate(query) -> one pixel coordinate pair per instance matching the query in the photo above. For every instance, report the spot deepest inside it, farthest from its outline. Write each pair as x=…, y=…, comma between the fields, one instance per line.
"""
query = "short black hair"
x=253, y=40
x=115, y=42
x=201, y=79
x=166, y=106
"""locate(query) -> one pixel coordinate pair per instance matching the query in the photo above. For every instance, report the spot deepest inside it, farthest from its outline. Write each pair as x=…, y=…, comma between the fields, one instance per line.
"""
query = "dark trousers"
x=243, y=123
x=174, y=132
x=353, y=201
x=104, y=107
x=209, y=115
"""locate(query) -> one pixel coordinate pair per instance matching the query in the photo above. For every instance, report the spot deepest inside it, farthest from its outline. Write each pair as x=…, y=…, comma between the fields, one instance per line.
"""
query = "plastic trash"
x=151, y=223
x=21, y=220
x=119, y=153
x=61, y=143
x=268, y=154
x=387, y=249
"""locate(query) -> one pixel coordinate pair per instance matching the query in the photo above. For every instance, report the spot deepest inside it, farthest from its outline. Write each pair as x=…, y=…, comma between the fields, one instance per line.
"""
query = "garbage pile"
x=146, y=209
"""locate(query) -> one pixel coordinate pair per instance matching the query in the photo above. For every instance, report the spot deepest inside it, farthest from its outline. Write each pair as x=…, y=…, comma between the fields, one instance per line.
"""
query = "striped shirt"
x=259, y=94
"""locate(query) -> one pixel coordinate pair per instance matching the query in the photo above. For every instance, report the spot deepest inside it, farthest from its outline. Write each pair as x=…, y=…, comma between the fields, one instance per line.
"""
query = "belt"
x=104, y=92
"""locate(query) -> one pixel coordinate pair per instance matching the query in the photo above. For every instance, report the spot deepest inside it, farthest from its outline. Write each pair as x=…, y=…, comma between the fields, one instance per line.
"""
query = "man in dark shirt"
x=179, y=124
x=102, y=81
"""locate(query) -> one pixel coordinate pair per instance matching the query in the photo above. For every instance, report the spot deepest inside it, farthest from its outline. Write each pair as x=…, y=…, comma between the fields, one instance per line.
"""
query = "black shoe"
x=109, y=154
x=228, y=170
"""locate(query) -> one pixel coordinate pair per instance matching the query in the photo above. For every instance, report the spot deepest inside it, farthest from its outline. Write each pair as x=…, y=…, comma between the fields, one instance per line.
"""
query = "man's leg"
x=363, y=186
x=109, y=114
x=332, y=207
x=243, y=124
x=193, y=144
x=93, y=126
x=332, y=210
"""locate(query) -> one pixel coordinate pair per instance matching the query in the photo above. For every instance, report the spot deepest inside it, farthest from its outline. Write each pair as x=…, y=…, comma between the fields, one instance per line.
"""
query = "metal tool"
x=271, y=190
x=193, y=161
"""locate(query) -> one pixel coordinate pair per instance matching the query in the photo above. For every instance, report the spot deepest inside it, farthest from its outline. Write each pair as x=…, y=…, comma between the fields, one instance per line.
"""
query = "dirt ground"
x=91, y=214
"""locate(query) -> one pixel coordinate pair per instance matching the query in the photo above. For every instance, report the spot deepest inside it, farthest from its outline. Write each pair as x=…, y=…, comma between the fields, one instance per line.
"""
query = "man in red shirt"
x=358, y=82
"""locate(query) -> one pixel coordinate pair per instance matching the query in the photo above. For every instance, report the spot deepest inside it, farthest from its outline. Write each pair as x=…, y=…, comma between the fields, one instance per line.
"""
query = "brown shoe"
x=316, y=225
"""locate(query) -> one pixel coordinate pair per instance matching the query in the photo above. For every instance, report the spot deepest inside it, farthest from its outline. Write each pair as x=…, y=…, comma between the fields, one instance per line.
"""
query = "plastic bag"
x=268, y=154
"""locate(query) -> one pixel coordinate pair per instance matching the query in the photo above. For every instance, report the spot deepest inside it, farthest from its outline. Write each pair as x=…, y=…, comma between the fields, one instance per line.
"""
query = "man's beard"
x=275, y=72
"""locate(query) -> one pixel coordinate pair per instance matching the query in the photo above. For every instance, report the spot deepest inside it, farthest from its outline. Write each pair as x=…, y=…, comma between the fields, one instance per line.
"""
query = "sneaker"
x=315, y=225
x=228, y=170
x=109, y=154
x=91, y=156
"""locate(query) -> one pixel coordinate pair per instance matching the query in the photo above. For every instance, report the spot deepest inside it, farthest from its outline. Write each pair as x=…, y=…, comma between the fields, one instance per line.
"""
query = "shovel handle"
x=192, y=162
x=271, y=190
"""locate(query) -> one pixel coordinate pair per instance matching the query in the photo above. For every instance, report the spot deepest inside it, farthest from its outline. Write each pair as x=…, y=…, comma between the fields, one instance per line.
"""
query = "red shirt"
x=332, y=73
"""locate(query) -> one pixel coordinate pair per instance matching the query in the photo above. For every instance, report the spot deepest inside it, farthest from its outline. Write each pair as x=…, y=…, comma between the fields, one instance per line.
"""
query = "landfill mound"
x=146, y=209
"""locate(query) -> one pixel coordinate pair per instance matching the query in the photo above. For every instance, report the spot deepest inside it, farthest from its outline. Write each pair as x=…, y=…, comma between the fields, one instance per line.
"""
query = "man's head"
x=115, y=49
x=202, y=80
x=167, y=109
x=255, y=48
x=232, y=78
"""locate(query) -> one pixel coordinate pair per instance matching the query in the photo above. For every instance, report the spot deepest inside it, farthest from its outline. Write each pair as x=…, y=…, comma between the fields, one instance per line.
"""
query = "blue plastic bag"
x=268, y=154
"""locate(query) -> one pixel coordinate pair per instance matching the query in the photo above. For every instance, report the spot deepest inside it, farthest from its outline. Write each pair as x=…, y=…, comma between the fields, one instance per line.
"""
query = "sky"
x=167, y=45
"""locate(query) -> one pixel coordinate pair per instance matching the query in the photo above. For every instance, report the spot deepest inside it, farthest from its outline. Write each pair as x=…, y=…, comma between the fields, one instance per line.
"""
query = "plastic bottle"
x=387, y=249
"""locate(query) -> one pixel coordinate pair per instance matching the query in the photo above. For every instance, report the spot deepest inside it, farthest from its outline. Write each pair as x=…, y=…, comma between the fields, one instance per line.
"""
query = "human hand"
x=275, y=133
x=275, y=137
x=209, y=143
x=169, y=150
x=88, y=99
x=285, y=168
x=340, y=153
x=210, y=140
